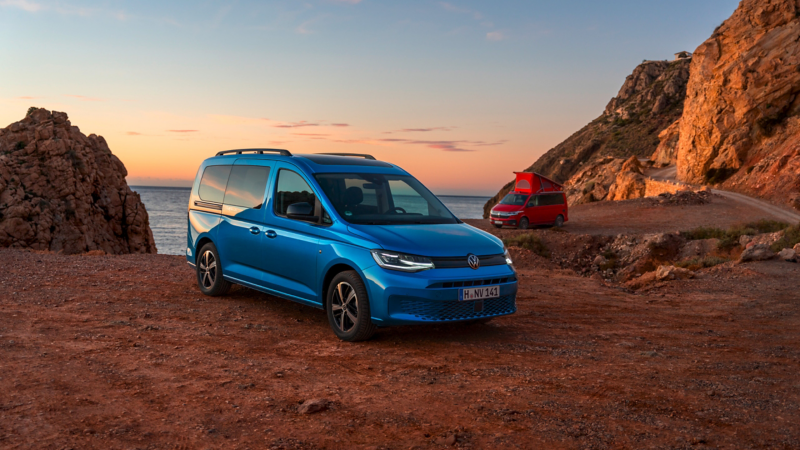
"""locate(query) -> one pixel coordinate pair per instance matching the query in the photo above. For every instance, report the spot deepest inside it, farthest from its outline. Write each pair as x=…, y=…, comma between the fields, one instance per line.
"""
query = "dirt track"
x=123, y=352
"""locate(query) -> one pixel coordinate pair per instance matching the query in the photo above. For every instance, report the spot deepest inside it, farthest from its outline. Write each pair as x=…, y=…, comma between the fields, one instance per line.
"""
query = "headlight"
x=402, y=262
x=508, y=258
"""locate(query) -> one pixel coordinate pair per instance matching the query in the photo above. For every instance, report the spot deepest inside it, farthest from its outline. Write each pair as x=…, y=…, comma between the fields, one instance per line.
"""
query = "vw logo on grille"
x=473, y=261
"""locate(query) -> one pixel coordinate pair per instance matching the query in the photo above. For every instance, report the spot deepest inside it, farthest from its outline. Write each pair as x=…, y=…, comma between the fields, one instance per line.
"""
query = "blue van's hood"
x=431, y=240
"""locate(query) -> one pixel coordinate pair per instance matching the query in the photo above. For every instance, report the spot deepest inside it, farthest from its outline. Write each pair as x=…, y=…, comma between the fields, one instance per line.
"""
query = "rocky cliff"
x=63, y=191
x=650, y=100
x=742, y=112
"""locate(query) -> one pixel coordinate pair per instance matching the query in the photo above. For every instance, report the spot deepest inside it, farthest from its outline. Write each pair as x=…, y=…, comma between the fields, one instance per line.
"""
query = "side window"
x=533, y=201
x=558, y=199
x=212, y=185
x=291, y=188
x=246, y=186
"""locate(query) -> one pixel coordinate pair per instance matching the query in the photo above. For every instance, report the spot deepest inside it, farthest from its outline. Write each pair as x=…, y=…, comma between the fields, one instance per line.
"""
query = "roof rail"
x=354, y=155
x=259, y=151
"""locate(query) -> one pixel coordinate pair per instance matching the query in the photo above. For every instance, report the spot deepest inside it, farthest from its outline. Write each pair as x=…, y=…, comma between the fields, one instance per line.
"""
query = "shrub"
x=791, y=237
x=701, y=263
x=30, y=111
x=530, y=242
x=730, y=238
x=20, y=145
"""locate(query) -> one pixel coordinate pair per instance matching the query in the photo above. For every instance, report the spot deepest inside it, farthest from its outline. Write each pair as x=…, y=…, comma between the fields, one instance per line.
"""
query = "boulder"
x=757, y=252
x=63, y=191
x=788, y=254
x=698, y=248
x=668, y=273
x=745, y=239
x=313, y=406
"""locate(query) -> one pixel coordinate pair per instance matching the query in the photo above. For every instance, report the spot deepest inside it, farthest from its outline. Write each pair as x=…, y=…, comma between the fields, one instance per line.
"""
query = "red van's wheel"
x=523, y=223
x=559, y=221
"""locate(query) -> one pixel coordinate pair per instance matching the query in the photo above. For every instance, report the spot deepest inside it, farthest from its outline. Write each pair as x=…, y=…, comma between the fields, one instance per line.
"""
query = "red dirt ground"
x=123, y=352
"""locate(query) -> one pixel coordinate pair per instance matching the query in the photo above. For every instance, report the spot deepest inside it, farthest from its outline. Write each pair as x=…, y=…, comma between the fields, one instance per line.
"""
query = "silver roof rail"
x=259, y=151
x=354, y=155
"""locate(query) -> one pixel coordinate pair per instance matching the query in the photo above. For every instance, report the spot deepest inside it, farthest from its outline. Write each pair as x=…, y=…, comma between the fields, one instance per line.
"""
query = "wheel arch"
x=332, y=272
x=203, y=241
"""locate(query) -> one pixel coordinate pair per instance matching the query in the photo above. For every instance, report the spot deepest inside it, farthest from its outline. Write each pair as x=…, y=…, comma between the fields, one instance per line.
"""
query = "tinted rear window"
x=212, y=185
x=246, y=186
x=552, y=199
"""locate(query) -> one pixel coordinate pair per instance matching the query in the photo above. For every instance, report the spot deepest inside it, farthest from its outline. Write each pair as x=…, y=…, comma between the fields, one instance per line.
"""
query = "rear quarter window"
x=247, y=186
x=212, y=185
x=558, y=199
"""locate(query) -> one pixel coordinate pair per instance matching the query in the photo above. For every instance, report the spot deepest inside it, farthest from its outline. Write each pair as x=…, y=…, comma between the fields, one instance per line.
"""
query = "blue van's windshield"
x=377, y=199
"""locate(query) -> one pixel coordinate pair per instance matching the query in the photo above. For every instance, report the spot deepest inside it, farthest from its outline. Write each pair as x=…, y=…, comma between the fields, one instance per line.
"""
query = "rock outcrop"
x=650, y=100
x=740, y=124
x=63, y=191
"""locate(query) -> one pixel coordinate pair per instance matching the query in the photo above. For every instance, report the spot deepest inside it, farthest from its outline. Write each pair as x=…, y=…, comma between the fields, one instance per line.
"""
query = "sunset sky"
x=459, y=93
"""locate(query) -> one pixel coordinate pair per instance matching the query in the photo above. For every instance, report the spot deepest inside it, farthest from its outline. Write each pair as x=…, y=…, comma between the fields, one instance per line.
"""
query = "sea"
x=167, y=206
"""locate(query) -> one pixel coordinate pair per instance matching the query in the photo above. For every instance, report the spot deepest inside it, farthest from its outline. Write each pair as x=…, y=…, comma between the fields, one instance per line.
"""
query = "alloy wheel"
x=208, y=269
x=344, y=305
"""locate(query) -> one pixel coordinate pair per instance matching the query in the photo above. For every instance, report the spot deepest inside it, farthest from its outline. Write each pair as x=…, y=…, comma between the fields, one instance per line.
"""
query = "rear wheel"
x=209, y=272
x=559, y=221
x=348, y=308
x=523, y=223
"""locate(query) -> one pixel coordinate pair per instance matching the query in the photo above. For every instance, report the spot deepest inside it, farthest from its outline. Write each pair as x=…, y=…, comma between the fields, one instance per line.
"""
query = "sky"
x=458, y=93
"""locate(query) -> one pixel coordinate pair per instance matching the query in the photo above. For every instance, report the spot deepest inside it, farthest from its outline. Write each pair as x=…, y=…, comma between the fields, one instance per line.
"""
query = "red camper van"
x=535, y=200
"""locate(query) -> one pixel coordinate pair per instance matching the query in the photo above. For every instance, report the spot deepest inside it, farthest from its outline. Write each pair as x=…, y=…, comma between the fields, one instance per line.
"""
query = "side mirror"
x=301, y=211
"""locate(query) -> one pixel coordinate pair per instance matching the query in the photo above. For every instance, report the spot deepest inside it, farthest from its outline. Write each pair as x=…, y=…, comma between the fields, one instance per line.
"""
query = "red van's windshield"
x=514, y=199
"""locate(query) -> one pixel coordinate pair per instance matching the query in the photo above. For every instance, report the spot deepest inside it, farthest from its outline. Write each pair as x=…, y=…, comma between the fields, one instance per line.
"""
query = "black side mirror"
x=301, y=211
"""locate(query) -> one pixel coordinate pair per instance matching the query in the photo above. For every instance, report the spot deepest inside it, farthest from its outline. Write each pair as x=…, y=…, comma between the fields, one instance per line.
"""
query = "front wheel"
x=209, y=272
x=348, y=308
x=523, y=223
x=559, y=221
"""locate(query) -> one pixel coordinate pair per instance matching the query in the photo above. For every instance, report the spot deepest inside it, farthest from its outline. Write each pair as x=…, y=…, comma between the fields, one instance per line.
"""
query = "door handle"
x=272, y=234
x=254, y=230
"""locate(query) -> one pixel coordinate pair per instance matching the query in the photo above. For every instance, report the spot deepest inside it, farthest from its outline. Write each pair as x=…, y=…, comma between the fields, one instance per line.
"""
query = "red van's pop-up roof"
x=532, y=183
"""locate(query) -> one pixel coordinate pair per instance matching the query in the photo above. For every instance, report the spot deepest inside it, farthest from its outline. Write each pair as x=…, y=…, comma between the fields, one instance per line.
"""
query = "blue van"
x=360, y=238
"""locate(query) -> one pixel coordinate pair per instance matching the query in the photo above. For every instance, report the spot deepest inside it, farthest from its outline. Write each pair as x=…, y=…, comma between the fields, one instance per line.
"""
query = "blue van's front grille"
x=455, y=310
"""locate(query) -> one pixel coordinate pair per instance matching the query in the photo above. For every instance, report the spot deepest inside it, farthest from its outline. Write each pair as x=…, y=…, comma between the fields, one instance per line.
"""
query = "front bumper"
x=510, y=221
x=432, y=296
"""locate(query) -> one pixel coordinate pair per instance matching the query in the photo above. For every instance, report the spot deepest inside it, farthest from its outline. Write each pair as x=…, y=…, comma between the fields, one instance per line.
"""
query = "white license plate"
x=498, y=222
x=480, y=293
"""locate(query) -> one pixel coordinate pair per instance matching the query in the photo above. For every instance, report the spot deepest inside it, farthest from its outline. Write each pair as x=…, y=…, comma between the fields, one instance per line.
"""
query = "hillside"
x=742, y=117
x=650, y=100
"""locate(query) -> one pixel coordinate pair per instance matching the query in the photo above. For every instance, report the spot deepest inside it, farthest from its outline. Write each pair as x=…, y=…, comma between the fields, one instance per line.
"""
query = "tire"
x=523, y=223
x=348, y=288
x=559, y=221
x=498, y=226
x=209, y=272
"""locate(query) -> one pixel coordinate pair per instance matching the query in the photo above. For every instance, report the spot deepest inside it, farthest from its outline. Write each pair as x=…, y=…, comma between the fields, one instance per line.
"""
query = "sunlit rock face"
x=63, y=191
x=740, y=123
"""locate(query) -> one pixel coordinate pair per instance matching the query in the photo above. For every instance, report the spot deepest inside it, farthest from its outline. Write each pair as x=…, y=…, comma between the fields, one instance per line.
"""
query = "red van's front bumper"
x=509, y=221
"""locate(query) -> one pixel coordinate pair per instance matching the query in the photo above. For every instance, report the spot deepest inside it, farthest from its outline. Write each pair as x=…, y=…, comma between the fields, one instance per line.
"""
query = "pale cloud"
x=83, y=98
x=456, y=9
x=26, y=5
x=495, y=36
